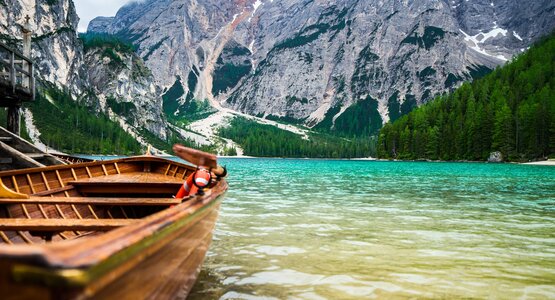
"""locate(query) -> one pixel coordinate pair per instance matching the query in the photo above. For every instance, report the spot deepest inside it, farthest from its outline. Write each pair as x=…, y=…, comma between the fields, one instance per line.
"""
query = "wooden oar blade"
x=195, y=157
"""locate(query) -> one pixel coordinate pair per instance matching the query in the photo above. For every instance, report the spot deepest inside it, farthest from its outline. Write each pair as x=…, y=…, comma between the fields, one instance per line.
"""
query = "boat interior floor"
x=85, y=207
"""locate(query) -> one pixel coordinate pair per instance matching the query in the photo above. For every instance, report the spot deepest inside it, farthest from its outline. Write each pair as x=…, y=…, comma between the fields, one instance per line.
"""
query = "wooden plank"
x=6, y=160
x=132, y=177
x=35, y=155
x=129, y=183
x=128, y=188
x=117, y=168
x=5, y=238
x=94, y=200
x=54, y=191
x=121, y=161
x=63, y=224
x=20, y=157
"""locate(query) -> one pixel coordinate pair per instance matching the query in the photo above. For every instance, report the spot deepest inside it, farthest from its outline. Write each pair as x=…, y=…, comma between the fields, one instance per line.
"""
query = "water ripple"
x=317, y=229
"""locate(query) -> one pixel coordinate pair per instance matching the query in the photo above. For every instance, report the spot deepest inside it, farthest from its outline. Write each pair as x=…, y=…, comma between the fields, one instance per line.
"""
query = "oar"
x=199, y=158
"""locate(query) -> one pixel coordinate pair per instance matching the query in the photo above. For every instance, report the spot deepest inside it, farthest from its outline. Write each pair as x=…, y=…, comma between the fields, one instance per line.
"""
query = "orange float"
x=198, y=180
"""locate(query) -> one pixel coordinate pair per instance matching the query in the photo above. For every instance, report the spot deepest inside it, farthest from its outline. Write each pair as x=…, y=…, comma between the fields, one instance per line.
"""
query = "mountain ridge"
x=471, y=34
x=343, y=67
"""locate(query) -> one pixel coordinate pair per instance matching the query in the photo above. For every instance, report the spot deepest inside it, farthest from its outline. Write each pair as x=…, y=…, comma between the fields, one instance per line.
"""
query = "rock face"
x=177, y=39
x=321, y=62
x=100, y=23
x=55, y=46
x=125, y=87
x=121, y=85
x=495, y=157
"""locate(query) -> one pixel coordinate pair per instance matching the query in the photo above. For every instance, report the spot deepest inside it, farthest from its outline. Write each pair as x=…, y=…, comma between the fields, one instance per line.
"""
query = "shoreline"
x=550, y=162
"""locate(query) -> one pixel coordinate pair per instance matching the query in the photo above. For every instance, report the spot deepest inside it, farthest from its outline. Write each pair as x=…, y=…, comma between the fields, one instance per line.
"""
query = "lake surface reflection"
x=324, y=229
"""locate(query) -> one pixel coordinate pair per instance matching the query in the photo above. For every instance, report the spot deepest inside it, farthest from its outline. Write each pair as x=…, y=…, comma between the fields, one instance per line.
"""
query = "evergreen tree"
x=503, y=137
x=511, y=110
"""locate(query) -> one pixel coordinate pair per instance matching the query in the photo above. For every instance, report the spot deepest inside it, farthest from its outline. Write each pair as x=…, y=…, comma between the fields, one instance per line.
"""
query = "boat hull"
x=166, y=269
x=171, y=272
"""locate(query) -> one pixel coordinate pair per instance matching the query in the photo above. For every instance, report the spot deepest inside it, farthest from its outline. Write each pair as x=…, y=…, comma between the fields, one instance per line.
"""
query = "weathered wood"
x=35, y=155
x=95, y=201
x=59, y=225
x=14, y=119
x=20, y=157
x=134, y=177
x=12, y=70
x=171, y=242
x=54, y=191
x=22, y=153
x=16, y=66
x=6, y=160
x=173, y=279
x=91, y=188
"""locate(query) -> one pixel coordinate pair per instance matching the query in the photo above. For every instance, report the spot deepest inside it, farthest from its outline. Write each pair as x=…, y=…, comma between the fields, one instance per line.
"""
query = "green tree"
x=503, y=133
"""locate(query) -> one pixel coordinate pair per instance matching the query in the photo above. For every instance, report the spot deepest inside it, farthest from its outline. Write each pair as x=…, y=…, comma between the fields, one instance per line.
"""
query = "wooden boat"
x=104, y=229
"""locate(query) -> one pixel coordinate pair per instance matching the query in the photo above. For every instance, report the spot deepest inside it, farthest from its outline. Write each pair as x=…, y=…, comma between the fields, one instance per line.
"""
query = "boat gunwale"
x=142, y=158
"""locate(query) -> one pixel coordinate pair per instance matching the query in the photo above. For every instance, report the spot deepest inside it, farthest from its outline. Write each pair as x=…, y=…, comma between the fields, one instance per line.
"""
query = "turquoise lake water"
x=324, y=229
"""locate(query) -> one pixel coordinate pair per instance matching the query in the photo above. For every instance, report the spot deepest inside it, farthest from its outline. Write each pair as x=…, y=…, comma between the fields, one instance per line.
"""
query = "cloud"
x=90, y=9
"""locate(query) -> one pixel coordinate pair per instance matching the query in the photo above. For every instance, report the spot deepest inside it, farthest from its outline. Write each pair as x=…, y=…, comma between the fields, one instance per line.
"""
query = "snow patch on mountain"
x=475, y=41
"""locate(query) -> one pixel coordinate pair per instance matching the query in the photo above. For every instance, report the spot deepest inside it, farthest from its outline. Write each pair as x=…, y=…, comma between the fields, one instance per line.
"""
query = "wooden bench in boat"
x=129, y=183
x=95, y=201
x=59, y=225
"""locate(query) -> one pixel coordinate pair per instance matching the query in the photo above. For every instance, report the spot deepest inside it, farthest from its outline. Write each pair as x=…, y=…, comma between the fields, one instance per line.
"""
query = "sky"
x=90, y=9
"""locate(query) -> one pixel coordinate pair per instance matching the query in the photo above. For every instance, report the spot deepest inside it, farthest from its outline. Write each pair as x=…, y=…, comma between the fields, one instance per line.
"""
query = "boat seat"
x=95, y=201
x=129, y=183
x=59, y=225
x=54, y=191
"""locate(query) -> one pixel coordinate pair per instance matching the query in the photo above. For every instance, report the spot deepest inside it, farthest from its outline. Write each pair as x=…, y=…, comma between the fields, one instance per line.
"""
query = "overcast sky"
x=90, y=9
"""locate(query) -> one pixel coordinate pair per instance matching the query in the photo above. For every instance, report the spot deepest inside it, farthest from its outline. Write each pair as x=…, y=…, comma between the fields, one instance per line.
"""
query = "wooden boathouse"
x=17, y=80
x=17, y=85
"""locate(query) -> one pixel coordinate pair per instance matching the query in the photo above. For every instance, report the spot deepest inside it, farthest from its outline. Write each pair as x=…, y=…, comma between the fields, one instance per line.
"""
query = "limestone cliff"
x=316, y=62
x=104, y=79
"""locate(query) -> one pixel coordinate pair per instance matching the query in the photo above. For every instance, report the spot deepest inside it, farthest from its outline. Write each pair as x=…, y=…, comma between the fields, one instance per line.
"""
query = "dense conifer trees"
x=512, y=110
x=269, y=141
x=66, y=126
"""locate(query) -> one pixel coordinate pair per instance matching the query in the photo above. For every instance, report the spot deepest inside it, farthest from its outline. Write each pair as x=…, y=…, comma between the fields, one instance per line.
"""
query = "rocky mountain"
x=333, y=65
x=55, y=45
x=325, y=63
x=124, y=85
x=106, y=78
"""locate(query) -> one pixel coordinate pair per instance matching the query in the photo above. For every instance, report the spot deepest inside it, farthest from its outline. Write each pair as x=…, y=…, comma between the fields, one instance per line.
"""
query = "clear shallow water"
x=322, y=229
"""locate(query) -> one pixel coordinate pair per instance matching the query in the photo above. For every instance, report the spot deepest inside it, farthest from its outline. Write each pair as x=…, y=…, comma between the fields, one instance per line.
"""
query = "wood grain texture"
x=94, y=200
x=58, y=225
x=148, y=232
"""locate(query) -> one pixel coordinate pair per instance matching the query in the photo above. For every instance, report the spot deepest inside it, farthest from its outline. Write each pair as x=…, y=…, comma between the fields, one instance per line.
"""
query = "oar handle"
x=199, y=158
